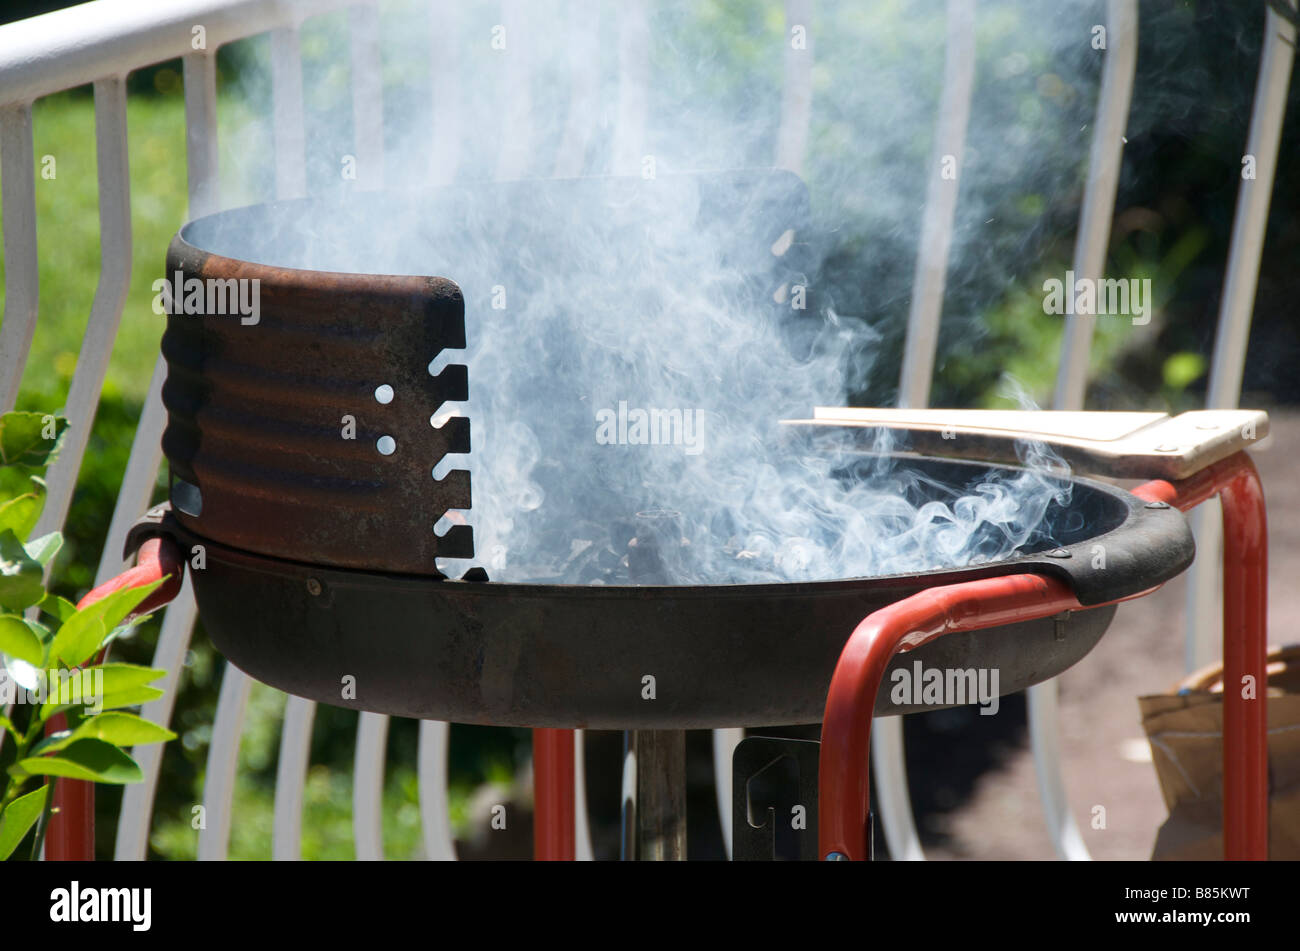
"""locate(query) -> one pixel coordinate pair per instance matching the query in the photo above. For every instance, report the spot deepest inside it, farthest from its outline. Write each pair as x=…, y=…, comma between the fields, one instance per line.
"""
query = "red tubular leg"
x=844, y=770
x=71, y=835
x=1245, y=647
x=553, y=796
x=1245, y=643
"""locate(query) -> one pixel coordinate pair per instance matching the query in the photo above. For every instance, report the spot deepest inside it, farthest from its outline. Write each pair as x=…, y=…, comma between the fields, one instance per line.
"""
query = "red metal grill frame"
x=844, y=775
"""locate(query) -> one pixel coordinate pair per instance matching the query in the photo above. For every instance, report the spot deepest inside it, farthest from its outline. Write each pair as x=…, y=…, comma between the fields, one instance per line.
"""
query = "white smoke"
x=640, y=292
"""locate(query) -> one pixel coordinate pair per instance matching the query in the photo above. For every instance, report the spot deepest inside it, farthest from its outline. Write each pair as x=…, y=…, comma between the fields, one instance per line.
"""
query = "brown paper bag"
x=1185, y=730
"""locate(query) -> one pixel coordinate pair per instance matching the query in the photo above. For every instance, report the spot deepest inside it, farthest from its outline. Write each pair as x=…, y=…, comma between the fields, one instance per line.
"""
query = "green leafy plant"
x=66, y=711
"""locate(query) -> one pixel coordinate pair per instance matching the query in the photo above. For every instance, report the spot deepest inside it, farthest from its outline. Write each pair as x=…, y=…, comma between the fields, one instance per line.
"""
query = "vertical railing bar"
x=367, y=95
x=110, y=297
x=138, y=481
x=139, y=478
x=135, y=817
x=1204, y=590
x=1104, y=162
x=516, y=136
x=288, y=130
x=570, y=161
x=223, y=764
x=571, y=155
x=114, y=200
x=633, y=77
x=1251, y=217
x=290, y=145
x=444, y=77
x=796, y=96
x=582, y=850
x=1045, y=741
x=724, y=748
x=431, y=769
x=291, y=778
x=887, y=750
x=1235, y=312
x=200, y=73
x=22, y=269
x=1089, y=262
x=368, y=787
x=940, y=207
x=888, y=758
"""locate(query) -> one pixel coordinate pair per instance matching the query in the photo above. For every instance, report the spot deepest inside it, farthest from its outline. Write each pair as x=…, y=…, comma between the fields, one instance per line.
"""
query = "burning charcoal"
x=657, y=552
x=794, y=556
x=608, y=560
x=581, y=551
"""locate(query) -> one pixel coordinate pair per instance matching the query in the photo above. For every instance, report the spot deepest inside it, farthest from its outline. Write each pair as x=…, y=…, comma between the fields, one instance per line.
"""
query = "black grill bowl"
x=578, y=656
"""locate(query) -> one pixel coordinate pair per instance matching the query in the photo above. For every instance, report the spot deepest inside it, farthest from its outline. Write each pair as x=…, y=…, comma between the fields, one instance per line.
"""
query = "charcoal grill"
x=574, y=656
x=321, y=551
x=322, y=562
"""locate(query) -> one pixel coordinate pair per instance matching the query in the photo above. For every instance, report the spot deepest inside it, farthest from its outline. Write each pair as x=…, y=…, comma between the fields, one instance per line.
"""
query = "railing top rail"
x=78, y=45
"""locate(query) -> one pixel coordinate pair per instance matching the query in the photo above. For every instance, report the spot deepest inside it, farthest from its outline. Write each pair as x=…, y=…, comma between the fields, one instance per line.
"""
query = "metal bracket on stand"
x=763, y=756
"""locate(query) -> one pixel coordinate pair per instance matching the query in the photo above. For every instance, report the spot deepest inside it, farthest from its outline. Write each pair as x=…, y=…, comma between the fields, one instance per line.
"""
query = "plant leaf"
x=119, y=604
x=22, y=639
x=81, y=635
x=123, y=685
x=19, y=514
x=57, y=607
x=52, y=743
x=19, y=816
x=120, y=729
x=44, y=549
x=30, y=439
x=89, y=759
x=21, y=576
x=126, y=729
x=77, y=639
x=121, y=676
x=130, y=697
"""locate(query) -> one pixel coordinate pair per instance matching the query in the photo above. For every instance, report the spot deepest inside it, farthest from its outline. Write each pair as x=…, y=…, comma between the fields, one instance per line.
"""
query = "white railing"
x=1234, y=314
x=100, y=42
x=1072, y=376
x=887, y=754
